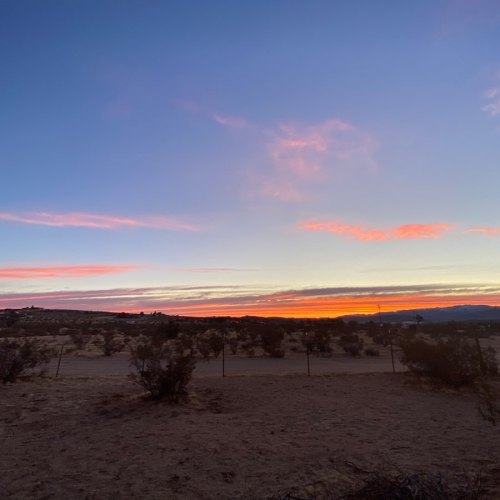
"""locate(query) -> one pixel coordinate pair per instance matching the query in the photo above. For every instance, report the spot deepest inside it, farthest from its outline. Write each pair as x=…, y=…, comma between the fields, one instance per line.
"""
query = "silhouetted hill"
x=434, y=315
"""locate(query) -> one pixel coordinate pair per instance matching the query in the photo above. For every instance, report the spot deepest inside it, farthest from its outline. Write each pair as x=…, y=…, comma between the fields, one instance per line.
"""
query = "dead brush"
x=417, y=486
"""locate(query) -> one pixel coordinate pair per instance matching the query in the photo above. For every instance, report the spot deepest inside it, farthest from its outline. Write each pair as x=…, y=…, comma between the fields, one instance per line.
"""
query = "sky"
x=265, y=157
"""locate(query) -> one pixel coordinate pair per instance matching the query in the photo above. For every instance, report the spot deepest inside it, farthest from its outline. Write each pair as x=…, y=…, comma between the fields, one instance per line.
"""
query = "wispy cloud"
x=298, y=157
x=231, y=121
x=239, y=301
x=486, y=230
x=96, y=221
x=492, y=99
x=82, y=271
x=306, y=155
x=204, y=270
x=364, y=233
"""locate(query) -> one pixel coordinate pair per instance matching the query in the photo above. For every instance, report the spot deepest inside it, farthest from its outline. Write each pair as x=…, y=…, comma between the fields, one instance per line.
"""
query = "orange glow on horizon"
x=324, y=307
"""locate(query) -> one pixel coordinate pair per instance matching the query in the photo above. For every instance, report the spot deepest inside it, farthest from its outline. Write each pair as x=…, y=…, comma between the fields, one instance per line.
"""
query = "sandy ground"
x=238, y=437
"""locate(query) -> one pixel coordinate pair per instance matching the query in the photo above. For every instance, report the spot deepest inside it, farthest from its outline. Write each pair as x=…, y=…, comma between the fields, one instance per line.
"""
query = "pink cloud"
x=363, y=233
x=230, y=121
x=22, y=273
x=284, y=192
x=96, y=221
x=304, y=156
x=488, y=231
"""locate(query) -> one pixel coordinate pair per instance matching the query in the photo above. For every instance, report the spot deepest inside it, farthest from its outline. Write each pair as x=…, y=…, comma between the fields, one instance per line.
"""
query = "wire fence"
x=71, y=365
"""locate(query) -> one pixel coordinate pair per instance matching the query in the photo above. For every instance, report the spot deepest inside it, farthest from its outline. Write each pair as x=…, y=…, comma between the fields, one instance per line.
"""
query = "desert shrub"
x=381, y=339
x=9, y=318
x=489, y=403
x=351, y=344
x=371, y=351
x=22, y=358
x=455, y=361
x=203, y=346
x=109, y=342
x=164, y=371
x=271, y=338
x=233, y=341
x=317, y=340
x=418, y=486
x=209, y=342
x=216, y=342
x=250, y=351
x=79, y=339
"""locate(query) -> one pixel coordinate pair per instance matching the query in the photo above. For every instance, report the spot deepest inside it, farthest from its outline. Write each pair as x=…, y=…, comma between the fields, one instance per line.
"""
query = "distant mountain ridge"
x=433, y=315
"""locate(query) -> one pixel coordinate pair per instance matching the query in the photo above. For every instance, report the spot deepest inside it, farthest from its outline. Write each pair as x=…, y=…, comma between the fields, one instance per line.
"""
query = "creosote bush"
x=22, y=358
x=163, y=370
x=371, y=351
x=351, y=343
x=271, y=340
x=455, y=361
x=418, y=486
x=109, y=342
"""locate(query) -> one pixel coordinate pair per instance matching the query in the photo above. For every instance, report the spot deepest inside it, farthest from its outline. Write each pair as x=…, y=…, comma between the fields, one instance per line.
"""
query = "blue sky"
x=272, y=148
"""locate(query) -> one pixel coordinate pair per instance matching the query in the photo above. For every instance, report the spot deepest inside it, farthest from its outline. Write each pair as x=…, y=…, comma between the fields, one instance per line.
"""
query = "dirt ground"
x=237, y=437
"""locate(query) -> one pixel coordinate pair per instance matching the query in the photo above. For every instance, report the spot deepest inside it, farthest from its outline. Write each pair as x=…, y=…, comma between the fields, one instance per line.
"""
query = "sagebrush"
x=163, y=370
x=455, y=360
x=20, y=358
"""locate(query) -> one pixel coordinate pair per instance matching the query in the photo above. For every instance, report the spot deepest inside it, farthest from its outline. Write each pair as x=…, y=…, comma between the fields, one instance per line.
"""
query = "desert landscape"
x=249, y=250
x=264, y=430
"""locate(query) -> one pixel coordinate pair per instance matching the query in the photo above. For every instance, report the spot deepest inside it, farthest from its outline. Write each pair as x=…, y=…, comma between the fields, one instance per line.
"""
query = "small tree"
x=22, y=358
x=164, y=371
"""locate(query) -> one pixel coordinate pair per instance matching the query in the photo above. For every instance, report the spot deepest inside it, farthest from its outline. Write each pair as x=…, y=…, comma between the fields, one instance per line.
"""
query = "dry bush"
x=271, y=339
x=163, y=370
x=109, y=342
x=489, y=403
x=455, y=361
x=79, y=339
x=418, y=486
x=209, y=342
x=351, y=343
x=371, y=351
x=22, y=358
x=233, y=340
x=317, y=341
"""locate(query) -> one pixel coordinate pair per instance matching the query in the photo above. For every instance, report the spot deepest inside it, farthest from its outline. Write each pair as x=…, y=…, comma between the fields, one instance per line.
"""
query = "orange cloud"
x=96, y=221
x=22, y=273
x=363, y=233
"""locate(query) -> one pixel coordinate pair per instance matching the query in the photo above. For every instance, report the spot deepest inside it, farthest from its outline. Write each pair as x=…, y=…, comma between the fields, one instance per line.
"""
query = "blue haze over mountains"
x=434, y=315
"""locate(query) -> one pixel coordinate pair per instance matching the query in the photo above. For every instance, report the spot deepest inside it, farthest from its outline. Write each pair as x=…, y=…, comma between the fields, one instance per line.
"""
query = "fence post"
x=480, y=354
x=223, y=353
x=307, y=351
x=59, y=361
x=391, y=333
